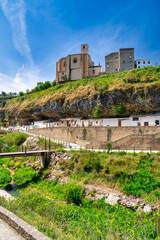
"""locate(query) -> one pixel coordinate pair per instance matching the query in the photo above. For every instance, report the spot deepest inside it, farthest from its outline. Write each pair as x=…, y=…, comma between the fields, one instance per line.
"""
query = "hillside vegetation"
x=136, y=90
x=54, y=201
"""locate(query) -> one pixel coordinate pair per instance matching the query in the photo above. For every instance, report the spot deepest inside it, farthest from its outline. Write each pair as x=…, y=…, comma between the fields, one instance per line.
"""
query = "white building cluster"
x=131, y=121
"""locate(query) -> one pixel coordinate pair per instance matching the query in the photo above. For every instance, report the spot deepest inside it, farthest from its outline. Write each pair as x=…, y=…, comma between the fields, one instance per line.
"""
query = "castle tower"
x=84, y=48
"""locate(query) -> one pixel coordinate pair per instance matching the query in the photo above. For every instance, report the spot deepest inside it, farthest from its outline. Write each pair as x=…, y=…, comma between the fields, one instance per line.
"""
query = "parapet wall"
x=99, y=136
x=23, y=228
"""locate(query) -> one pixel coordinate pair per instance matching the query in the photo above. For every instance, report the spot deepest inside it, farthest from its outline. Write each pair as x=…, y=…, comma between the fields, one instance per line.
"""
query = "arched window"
x=74, y=60
x=64, y=64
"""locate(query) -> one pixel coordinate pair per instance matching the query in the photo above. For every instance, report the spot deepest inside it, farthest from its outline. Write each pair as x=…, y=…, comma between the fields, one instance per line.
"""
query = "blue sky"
x=36, y=33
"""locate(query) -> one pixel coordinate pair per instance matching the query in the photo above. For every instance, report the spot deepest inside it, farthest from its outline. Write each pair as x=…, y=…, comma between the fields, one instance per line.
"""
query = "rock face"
x=135, y=99
x=31, y=143
x=114, y=197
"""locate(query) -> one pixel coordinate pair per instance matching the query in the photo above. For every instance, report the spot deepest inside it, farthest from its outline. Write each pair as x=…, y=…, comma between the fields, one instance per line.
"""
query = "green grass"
x=90, y=220
x=136, y=174
x=24, y=176
x=4, y=177
x=11, y=142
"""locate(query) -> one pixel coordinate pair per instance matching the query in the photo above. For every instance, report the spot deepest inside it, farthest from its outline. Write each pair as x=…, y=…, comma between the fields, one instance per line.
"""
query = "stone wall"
x=23, y=228
x=143, y=137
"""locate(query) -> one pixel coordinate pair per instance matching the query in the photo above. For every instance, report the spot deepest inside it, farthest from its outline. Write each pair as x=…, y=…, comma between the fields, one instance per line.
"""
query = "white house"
x=133, y=121
x=140, y=63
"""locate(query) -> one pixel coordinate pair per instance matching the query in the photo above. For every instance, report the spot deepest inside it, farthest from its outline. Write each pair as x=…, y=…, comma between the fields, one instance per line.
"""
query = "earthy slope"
x=135, y=91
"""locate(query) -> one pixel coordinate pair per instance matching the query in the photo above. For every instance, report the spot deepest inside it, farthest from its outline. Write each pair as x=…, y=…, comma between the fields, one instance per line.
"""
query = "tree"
x=39, y=84
x=65, y=78
x=21, y=93
x=3, y=93
x=109, y=147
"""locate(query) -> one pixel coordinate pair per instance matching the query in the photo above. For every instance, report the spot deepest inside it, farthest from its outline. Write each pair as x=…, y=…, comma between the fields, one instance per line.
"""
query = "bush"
x=74, y=193
x=24, y=175
x=118, y=110
x=109, y=146
x=20, y=138
x=142, y=180
x=97, y=112
x=4, y=177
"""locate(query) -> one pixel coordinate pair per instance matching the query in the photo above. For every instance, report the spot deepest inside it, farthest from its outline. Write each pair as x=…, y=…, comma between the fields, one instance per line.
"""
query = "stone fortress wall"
x=142, y=138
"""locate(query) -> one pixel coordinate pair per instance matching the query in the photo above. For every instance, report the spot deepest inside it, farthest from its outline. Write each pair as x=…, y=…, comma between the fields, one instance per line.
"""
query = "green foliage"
x=53, y=145
x=142, y=180
x=41, y=86
x=109, y=147
x=136, y=174
x=118, y=110
x=21, y=94
x=4, y=177
x=92, y=220
x=24, y=175
x=20, y=139
x=74, y=193
x=97, y=112
x=12, y=141
x=54, y=83
x=65, y=78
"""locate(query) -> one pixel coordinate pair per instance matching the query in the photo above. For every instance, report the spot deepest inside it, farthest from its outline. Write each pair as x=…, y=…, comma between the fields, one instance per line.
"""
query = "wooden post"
x=45, y=144
x=49, y=144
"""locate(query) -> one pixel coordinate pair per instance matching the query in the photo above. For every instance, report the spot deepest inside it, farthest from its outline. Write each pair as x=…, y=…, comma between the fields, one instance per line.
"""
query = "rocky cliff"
x=136, y=91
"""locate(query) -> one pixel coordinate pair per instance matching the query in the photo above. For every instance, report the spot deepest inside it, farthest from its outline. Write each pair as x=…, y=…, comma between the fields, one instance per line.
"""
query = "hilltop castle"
x=77, y=66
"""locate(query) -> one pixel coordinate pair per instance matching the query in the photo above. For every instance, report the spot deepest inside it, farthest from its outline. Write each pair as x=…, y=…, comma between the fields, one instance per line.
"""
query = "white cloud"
x=23, y=79
x=14, y=10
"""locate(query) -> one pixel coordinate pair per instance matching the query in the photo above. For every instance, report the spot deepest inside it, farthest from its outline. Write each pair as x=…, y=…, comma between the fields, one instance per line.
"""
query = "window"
x=107, y=66
x=130, y=61
x=93, y=71
x=139, y=67
x=123, y=61
x=144, y=62
x=64, y=64
x=83, y=46
x=130, y=56
x=135, y=118
x=138, y=62
x=149, y=62
x=146, y=124
x=74, y=60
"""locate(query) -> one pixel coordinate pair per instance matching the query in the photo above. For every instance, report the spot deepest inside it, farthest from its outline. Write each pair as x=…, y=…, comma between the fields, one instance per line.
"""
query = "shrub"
x=142, y=180
x=20, y=138
x=4, y=177
x=74, y=193
x=24, y=175
x=118, y=110
x=21, y=94
x=97, y=112
x=109, y=146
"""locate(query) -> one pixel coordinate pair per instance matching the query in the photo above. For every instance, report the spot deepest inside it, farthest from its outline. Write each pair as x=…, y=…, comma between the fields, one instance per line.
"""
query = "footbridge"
x=45, y=155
